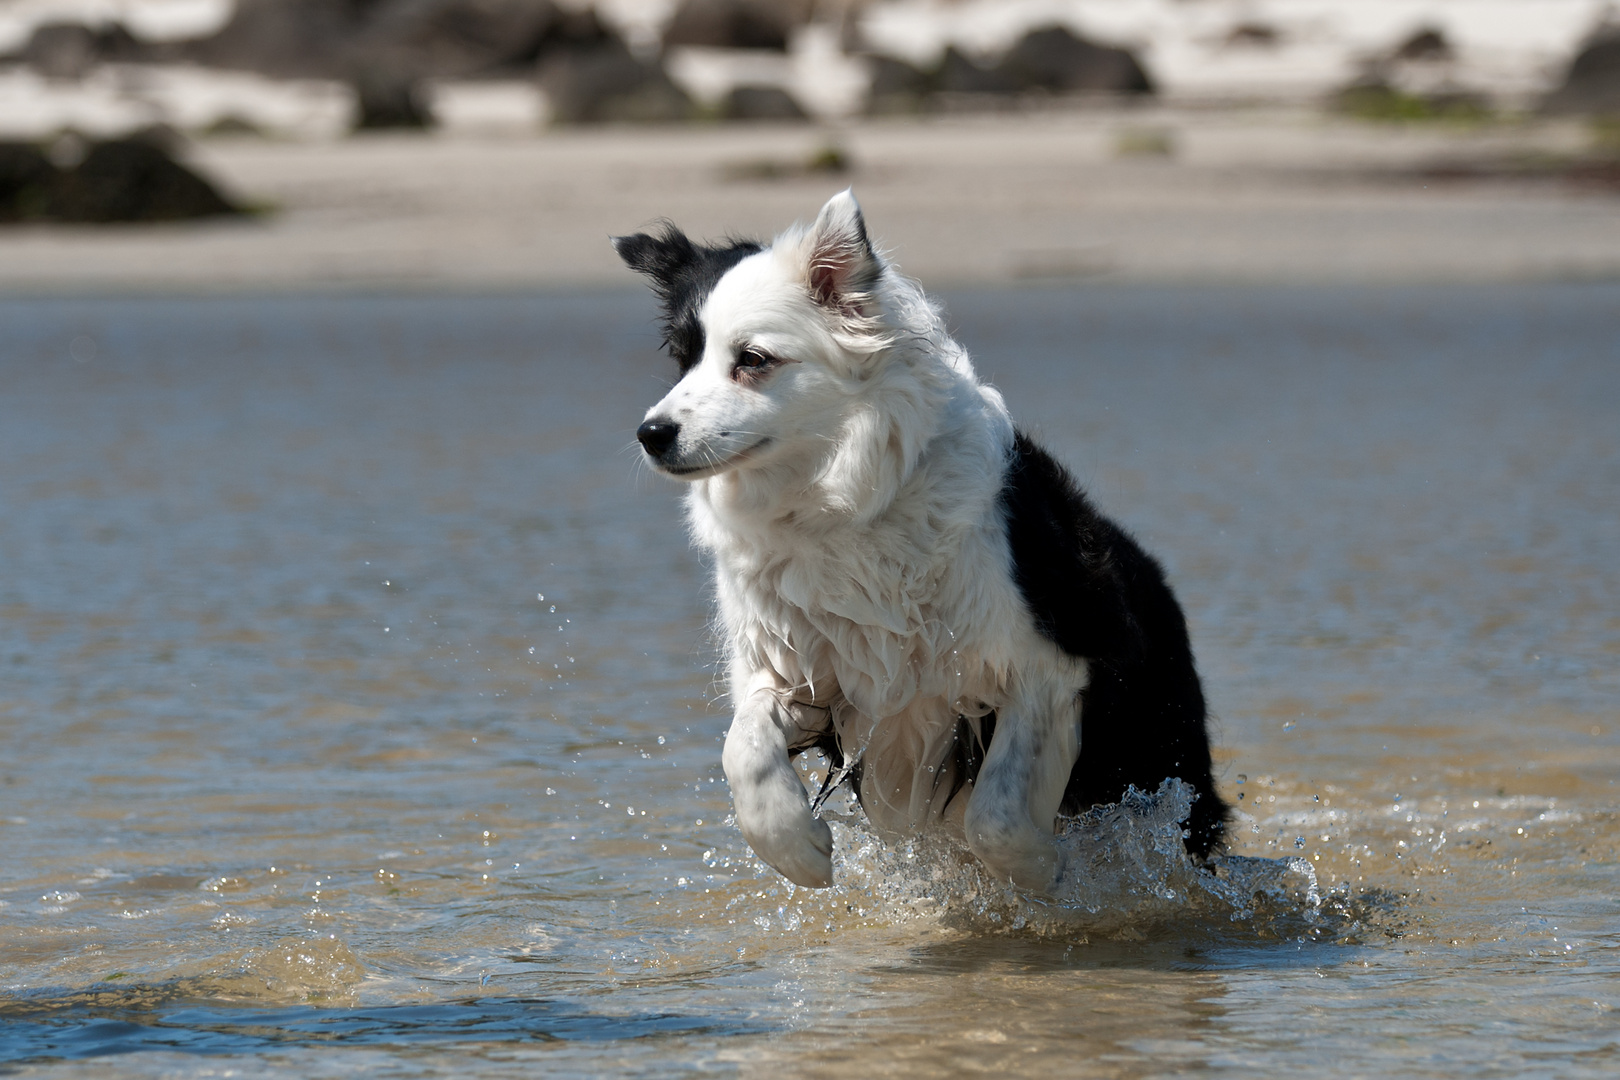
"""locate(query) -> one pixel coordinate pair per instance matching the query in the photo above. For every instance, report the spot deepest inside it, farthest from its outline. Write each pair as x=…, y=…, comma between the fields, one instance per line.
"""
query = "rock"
x=1592, y=85
x=606, y=83
x=65, y=50
x=1427, y=44
x=571, y=31
x=896, y=86
x=387, y=48
x=26, y=175
x=132, y=179
x=458, y=38
x=1053, y=59
x=418, y=39
x=891, y=76
x=387, y=97
x=1049, y=60
x=736, y=24
x=1253, y=35
x=957, y=74
x=286, y=38
x=761, y=103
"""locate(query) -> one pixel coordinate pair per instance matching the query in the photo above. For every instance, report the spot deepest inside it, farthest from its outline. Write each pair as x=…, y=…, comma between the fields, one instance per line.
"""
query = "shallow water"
x=356, y=703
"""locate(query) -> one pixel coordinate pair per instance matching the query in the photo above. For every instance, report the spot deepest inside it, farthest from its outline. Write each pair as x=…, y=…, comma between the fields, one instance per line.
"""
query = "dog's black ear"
x=843, y=265
x=682, y=274
x=662, y=257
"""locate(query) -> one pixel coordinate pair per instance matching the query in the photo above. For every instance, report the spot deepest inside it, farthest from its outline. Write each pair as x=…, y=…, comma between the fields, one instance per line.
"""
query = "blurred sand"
x=1241, y=196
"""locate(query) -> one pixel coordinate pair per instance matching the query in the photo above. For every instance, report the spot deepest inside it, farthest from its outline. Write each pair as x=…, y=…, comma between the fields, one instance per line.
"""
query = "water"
x=356, y=704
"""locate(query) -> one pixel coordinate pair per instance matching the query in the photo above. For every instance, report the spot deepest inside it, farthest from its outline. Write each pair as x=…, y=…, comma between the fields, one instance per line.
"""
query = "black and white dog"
x=905, y=580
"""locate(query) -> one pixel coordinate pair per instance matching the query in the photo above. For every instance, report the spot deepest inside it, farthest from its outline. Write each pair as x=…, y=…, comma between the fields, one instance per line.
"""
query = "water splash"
x=1128, y=877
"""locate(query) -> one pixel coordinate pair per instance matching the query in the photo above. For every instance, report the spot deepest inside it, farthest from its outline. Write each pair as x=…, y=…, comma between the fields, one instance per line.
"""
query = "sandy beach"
x=1149, y=194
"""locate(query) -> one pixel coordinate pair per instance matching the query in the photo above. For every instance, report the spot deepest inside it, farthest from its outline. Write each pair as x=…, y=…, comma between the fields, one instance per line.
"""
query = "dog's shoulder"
x=1084, y=579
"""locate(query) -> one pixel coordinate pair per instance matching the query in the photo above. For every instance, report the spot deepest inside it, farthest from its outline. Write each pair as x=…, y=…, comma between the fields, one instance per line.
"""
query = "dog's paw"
x=776, y=821
x=1013, y=850
x=803, y=857
x=1039, y=872
x=773, y=810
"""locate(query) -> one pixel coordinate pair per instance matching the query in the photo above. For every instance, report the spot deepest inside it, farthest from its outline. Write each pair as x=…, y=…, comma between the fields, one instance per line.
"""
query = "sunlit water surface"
x=358, y=712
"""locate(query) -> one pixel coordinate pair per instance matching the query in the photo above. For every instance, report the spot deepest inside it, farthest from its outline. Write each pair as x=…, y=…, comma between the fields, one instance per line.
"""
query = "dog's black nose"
x=658, y=435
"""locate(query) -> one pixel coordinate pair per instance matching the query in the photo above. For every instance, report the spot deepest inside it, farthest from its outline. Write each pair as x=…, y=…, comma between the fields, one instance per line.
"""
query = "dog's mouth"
x=714, y=468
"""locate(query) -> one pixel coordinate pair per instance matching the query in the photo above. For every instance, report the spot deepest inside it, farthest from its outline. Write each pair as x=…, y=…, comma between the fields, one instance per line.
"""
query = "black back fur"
x=1096, y=594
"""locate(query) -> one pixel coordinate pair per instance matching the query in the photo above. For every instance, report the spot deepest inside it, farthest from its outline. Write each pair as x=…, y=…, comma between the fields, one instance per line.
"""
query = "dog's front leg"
x=1013, y=809
x=772, y=808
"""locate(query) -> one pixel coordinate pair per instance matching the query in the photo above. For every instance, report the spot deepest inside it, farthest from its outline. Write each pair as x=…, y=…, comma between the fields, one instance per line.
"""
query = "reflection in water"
x=99, y=1023
x=357, y=711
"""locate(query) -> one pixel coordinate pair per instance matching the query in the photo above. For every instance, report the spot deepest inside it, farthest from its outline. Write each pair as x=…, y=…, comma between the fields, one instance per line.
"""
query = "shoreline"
x=1148, y=194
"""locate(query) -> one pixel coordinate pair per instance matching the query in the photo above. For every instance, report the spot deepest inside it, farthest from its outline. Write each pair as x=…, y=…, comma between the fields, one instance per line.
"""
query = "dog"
x=905, y=580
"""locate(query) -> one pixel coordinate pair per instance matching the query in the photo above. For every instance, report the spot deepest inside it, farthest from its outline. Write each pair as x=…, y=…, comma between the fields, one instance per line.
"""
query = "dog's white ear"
x=842, y=264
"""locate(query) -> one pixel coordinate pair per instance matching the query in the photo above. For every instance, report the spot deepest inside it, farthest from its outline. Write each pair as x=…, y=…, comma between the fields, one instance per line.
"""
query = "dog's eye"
x=751, y=360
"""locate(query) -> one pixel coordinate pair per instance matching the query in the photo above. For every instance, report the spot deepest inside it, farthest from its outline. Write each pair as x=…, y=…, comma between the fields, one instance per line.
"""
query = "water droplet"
x=1299, y=841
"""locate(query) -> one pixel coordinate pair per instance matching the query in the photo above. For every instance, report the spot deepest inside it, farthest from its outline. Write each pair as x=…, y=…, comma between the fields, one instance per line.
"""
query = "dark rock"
x=65, y=50
x=416, y=38
x=957, y=74
x=896, y=86
x=437, y=38
x=891, y=76
x=1592, y=85
x=1255, y=35
x=1427, y=44
x=388, y=97
x=132, y=179
x=288, y=38
x=606, y=83
x=571, y=31
x=26, y=176
x=736, y=24
x=1053, y=59
x=761, y=103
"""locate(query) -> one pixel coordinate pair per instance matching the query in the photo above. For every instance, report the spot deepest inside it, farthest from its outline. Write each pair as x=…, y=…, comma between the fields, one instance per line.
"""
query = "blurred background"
x=357, y=716
x=481, y=143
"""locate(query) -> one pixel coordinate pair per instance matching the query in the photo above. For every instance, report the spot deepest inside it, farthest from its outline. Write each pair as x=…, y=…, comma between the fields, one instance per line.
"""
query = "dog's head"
x=773, y=343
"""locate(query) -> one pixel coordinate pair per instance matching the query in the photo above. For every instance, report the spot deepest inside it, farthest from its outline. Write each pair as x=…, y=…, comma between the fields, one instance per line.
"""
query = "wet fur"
x=904, y=580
